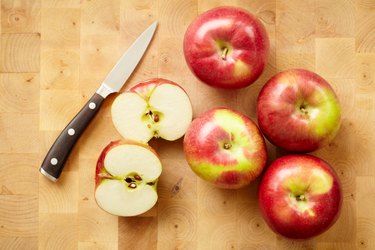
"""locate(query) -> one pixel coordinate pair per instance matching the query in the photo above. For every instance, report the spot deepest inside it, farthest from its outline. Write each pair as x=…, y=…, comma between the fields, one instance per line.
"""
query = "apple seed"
x=156, y=118
x=128, y=180
x=132, y=185
x=137, y=177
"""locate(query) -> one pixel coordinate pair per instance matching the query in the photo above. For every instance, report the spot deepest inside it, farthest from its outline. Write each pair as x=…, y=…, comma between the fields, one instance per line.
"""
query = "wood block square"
x=330, y=55
x=169, y=60
x=59, y=197
x=20, y=16
x=138, y=15
x=287, y=244
x=95, y=245
x=365, y=233
x=20, y=53
x=177, y=15
x=298, y=14
x=100, y=17
x=18, y=216
x=87, y=169
x=216, y=233
x=61, y=4
x=365, y=196
x=365, y=26
x=19, y=132
x=252, y=230
x=335, y=18
x=177, y=181
x=59, y=69
x=58, y=231
x=289, y=60
x=205, y=97
x=133, y=232
x=58, y=107
x=335, y=245
x=20, y=167
x=19, y=93
x=96, y=225
x=214, y=202
x=365, y=77
x=30, y=243
x=99, y=55
x=177, y=221
x=61, y=30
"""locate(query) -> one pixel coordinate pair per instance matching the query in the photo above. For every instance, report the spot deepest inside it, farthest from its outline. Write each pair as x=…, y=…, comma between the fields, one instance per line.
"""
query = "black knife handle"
x=54, y=161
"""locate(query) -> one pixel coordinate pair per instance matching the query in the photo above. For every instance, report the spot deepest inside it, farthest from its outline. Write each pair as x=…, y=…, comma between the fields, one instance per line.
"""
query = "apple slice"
x=126, y=178
x=154, y=108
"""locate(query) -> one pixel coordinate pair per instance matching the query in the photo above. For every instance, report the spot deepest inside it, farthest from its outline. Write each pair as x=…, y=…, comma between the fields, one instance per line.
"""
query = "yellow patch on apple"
x=320, y=182
x=241, y=69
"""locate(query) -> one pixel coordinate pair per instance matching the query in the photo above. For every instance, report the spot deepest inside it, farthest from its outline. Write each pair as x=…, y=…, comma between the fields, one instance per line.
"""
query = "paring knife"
x=53, y=163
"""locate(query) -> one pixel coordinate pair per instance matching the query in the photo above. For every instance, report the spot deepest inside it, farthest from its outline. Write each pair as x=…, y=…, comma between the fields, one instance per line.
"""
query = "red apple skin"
x=204, y=148
x=236, y=30
x=145, y=88
x=298, y=111
x=100, y=172
x=277, y=196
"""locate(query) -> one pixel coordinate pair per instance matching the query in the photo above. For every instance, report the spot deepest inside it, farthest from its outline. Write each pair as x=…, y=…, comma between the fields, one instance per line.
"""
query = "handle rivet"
x=92, y=105
x=54, y=161
x=71, y=131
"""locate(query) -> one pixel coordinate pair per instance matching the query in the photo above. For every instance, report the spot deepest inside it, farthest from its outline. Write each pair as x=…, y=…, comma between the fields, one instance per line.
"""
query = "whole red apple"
x=225, y=148
x=226, y=47
x=300, y=196
x=298, y=111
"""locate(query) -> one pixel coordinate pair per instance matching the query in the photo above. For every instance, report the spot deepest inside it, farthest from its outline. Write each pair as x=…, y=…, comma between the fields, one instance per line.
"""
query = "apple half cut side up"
x=129, y=117
x=155, y=108
x=126, y=179
x=176, y=110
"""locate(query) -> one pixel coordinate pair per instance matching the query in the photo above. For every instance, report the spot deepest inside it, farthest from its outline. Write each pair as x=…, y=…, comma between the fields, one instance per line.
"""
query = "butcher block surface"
x=55, y=54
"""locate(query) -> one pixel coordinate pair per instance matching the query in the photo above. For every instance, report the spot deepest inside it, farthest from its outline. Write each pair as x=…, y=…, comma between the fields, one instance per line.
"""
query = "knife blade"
x=57, y=155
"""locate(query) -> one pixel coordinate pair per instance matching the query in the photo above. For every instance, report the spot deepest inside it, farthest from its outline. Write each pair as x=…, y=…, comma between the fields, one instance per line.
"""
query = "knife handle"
x=54, y=161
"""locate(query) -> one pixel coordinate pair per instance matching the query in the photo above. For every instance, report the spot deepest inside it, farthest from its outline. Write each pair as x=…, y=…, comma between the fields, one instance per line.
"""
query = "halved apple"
x=126, y=177
x=154, y=108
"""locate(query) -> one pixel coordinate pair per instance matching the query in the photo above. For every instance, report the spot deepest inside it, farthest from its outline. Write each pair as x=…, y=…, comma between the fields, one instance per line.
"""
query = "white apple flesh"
x=126, y=178
x=155, y=108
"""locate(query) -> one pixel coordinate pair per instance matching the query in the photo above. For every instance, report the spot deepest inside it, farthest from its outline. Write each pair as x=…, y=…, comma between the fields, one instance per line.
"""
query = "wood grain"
x=53, y=56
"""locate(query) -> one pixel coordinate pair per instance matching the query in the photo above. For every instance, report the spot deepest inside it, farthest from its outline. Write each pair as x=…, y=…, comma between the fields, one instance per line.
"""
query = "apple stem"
x=224, y=53
x=303, y=109
x=301, y=197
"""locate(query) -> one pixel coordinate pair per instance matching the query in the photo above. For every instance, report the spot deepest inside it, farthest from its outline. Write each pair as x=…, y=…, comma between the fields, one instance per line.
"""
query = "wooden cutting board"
x=54, y=55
